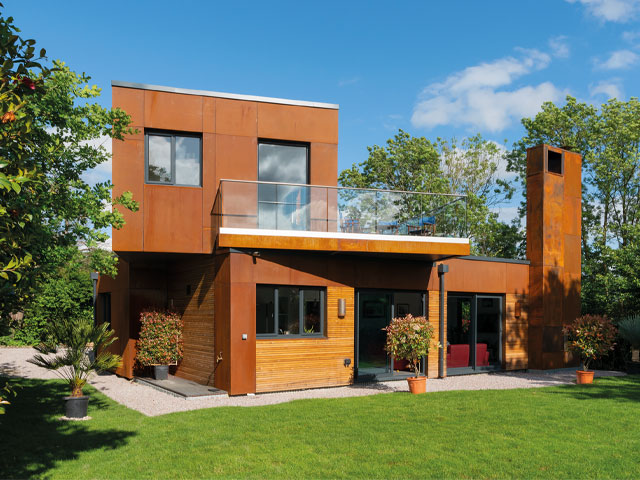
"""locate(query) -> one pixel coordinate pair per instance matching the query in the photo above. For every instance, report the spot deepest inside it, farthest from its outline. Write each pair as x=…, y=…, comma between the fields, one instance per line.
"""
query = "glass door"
x=374, y=312
x=474, y=333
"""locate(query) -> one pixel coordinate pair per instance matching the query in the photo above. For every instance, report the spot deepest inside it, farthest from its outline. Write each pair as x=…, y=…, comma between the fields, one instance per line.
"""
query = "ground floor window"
x=104, y=308
x=287, y=310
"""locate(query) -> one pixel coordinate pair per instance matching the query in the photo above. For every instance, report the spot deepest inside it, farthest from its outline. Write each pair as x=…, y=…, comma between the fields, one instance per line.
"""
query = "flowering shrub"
x=591, y=336
x=160, y=338
x=409, y=338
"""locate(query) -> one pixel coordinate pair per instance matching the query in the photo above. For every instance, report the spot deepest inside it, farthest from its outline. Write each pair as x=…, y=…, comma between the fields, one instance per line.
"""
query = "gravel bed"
x=152, y=402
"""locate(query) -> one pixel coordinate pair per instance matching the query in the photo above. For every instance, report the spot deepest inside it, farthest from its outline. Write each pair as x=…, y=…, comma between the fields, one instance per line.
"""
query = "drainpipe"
x=442, y=269
x=94, y=279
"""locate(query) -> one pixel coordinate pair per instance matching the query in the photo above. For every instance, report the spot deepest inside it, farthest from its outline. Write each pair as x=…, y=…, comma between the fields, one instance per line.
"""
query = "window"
x=287, y=310
x=104, y=304
x=173, y=159
x=283, y=207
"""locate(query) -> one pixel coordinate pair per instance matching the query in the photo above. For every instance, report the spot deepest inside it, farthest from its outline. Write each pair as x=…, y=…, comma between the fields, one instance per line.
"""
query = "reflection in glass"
x=187, y=160
x=288, y=311
x=311, y=311
x=265, y=322
x=283, y=207
x=159, y=158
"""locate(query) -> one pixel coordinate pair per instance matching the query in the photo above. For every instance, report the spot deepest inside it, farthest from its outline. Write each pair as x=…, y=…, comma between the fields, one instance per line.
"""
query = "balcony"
x=251, y=214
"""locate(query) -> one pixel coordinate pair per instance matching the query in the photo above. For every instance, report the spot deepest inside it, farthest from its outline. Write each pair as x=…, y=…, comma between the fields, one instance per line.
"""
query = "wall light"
x=342, y=307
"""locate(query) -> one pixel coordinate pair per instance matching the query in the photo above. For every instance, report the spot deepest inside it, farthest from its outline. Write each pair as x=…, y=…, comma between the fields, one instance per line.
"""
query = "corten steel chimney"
x=554, y=214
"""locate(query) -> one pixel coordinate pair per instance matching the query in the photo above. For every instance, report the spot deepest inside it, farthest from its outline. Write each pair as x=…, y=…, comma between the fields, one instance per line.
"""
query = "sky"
x=432, y=68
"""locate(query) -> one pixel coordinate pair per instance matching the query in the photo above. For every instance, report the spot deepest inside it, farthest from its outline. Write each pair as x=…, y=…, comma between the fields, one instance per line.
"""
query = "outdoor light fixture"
x=342, y=307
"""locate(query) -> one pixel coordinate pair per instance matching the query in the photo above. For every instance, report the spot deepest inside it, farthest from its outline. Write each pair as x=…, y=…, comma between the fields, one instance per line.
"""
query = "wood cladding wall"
x=315, y=362
x=433, y=310
x=516, y=333
x=190, y=289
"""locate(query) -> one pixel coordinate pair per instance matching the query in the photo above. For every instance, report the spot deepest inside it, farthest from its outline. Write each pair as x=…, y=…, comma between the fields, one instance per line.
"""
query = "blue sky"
x=447, y=68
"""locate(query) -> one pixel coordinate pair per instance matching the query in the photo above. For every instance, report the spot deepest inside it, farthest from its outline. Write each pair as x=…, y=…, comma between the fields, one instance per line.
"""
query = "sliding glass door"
x=376, y=308
x=474, y=333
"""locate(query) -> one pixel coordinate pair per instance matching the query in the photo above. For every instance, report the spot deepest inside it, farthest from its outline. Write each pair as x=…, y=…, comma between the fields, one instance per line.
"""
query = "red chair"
x=401, y=365
x=458, y=356
x=482, y=356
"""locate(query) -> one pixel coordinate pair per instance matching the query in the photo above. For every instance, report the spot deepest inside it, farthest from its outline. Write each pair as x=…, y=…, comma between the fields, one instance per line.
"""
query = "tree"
x=608, y=138
x=49, y=139
x=469, y=168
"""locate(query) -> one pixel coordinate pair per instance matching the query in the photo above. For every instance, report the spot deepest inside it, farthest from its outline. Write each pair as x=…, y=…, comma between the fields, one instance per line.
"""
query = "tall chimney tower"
x=554, y=215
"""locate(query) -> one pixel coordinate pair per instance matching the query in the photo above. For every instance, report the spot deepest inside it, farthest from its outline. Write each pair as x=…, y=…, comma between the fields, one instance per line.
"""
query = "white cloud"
x=348, y=81
x=559, y=47
x=611, y=88
x=618, y=60
x=611, y=10
x=506, y=213
x=475, y=96
x=102, y=172
x=630, y=37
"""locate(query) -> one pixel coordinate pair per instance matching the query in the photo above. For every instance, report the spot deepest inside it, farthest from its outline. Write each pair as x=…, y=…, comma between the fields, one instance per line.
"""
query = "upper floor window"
x=283, y=207
x=173, y=159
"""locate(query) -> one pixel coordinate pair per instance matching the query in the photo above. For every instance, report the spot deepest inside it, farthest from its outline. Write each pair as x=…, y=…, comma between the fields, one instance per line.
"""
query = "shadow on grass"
x=33, y=437
x=625, y=389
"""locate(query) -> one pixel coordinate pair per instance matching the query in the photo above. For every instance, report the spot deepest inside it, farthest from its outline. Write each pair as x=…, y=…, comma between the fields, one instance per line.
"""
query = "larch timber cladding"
x=314, y=362
x=197, y=314
x=433, y=310
x=516, y=341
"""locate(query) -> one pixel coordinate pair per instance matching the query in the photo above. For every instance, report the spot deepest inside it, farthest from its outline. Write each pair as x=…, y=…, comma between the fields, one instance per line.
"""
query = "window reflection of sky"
x=282, y=163
x=187, y=161
x=159, y=158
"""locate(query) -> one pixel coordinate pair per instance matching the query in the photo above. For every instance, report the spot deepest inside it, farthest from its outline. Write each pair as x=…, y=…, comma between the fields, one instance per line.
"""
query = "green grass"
x=559, y=432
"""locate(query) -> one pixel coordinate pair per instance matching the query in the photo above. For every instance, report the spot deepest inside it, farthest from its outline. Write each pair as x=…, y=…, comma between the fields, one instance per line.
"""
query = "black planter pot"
x=161, y=372
x=633, y=368
x=76, y=407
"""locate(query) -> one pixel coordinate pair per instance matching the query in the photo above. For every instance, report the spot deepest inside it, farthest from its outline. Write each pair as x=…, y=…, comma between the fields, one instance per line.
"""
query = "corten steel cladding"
x=583, y=377
x=554, y=250
x=417, y=384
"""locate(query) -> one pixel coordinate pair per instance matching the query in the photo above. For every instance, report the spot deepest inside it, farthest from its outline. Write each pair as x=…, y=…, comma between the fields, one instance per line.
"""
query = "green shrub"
x=160, y=340
x=629, y=330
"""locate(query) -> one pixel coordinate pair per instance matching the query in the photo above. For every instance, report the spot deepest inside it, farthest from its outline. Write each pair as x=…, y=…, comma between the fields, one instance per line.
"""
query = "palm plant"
x=68, y=342
x=629, y=330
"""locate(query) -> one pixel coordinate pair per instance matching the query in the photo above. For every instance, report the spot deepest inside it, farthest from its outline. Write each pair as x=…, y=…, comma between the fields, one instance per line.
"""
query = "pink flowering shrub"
x=160, y=340
x=591, y=336
x=410, y=338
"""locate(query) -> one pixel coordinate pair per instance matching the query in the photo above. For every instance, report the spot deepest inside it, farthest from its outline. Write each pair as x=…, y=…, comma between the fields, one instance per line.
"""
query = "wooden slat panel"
x=283, y=364
x=516, y=337
x=197, y=313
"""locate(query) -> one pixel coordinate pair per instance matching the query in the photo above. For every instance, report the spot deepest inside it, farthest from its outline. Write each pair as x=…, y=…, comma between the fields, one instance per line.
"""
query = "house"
x=284, y=280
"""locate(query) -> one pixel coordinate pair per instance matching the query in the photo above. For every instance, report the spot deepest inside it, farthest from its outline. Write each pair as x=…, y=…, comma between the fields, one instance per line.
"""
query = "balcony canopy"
x=251, y=214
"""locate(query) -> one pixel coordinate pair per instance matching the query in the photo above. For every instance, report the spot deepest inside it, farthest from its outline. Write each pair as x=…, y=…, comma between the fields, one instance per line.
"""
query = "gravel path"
x=151, y=402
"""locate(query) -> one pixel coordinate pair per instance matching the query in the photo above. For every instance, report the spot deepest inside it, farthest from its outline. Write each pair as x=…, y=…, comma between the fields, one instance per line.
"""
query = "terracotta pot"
x=583, y=377
x=417, y=384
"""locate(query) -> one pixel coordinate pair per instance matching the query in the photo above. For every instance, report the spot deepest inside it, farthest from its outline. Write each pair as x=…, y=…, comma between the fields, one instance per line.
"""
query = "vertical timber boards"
x=283, y=364
x=433, y=312
x=516, y=338
x=190, y=287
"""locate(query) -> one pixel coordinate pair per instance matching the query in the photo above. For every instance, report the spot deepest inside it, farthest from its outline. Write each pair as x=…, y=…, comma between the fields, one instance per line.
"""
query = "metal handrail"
x=343, y=188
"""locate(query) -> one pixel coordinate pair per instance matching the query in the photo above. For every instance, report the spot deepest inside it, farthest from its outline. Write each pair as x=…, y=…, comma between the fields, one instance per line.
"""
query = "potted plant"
x=160, y=343
x=590, y=336
x=629, y=330
x=70, y=342
x=410, y=338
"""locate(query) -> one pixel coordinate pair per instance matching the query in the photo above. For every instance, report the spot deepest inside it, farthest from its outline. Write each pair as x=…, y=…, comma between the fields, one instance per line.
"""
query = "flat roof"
x=232, y=96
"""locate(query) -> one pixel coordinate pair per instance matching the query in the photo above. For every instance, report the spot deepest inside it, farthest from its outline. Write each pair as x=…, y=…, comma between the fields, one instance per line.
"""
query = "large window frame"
x=281, y=205
x=172, y=135
x=277, y=332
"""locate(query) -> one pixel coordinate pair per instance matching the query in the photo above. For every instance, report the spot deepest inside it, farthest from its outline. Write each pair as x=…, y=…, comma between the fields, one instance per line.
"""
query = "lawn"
x=567, y=432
